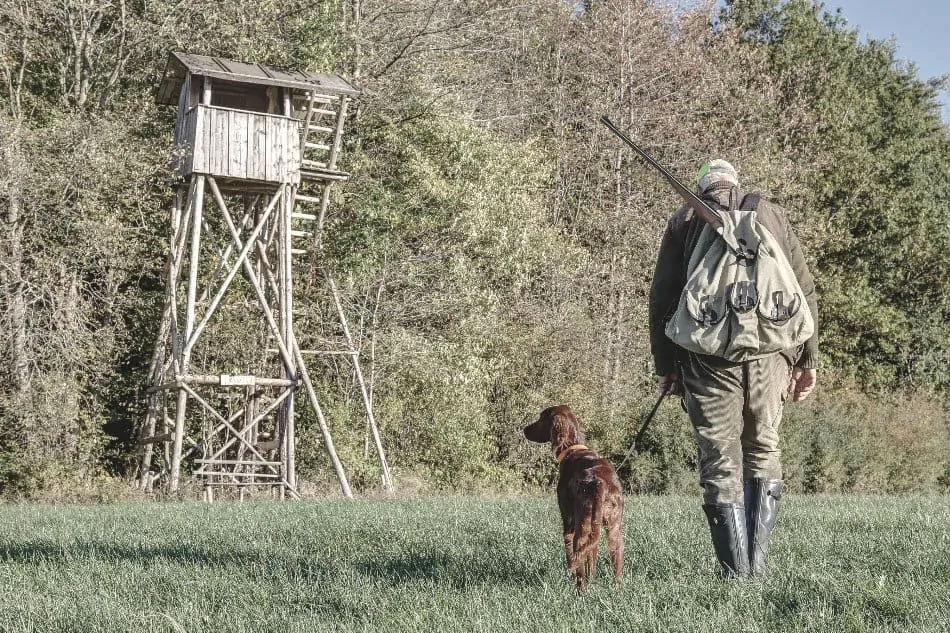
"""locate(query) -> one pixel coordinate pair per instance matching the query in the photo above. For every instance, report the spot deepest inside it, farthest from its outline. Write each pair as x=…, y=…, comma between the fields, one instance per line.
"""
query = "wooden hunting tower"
x=263, y=144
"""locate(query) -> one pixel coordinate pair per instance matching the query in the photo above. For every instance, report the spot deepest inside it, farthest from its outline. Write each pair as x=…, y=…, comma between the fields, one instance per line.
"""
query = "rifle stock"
x=709, y=215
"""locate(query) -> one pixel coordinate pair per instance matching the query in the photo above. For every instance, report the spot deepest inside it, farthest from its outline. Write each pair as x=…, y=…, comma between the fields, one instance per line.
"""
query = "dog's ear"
x=540, y=431
x=566, y=428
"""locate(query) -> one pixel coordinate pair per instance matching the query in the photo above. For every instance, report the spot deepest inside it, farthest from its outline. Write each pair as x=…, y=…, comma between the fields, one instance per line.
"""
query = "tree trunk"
x=11, y=272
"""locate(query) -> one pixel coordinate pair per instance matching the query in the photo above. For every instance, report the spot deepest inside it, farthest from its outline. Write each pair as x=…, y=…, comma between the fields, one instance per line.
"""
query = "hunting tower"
x=255, y=156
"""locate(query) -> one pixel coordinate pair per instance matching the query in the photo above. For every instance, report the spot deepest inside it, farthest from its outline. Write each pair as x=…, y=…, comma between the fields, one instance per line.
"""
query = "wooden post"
x=198, y=203
x=287, y=318
x=371, y=420
x=322, y=421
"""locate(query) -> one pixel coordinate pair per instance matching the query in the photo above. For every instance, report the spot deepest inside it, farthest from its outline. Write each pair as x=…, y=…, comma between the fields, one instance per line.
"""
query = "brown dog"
x=588, y=494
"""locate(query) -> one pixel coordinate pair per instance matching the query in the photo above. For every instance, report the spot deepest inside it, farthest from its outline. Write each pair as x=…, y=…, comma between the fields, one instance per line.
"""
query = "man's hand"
x=802, y=383
x=670, y=383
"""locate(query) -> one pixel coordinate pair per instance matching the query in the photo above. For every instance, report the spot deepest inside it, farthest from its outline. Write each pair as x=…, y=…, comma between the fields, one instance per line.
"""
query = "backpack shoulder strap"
x=750, y=201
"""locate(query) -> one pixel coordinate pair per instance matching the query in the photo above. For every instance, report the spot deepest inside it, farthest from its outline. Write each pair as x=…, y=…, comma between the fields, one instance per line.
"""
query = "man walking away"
x=720, y=309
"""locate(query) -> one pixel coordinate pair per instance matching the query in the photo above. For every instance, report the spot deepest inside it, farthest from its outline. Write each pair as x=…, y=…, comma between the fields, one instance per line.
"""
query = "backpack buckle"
x=745, y=256
x=781, y=311
x=707, y=313
x=743, y=296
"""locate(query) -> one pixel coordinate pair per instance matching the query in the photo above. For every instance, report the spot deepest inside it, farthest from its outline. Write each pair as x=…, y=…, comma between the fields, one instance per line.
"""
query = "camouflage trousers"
x=735, y=410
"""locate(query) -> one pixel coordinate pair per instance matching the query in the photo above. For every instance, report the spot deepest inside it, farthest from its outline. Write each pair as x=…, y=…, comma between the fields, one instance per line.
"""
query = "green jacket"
x=677, y=245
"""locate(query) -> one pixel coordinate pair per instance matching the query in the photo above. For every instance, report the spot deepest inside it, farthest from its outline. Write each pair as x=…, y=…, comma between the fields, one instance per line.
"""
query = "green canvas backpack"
x=742, y=299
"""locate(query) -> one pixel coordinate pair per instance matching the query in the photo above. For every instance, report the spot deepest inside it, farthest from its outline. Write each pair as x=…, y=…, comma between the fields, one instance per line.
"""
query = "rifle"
x=705, y=212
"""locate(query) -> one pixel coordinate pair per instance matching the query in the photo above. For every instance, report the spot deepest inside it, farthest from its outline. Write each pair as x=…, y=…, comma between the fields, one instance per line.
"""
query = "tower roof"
x=262, y=74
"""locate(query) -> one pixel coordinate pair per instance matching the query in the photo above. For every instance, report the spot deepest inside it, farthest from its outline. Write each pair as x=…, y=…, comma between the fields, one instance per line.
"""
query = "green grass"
x=462, y=564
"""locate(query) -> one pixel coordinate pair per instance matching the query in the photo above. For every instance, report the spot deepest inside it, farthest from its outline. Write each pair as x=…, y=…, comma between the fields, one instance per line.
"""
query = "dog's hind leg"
x=585, y=543
x=613, y=523
x=596, y=517
x=570, y=529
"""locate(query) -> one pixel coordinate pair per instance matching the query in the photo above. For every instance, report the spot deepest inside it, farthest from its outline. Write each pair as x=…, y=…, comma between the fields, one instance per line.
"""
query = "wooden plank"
x=294, y=154
x=207, y=137
x=242, y=380
x=184, y=144
x=156, y=438
x=219, y=142
x=196, y=130
x=224, y=134
x=272, y=152
x=257, y=159
x=237, y=462
x=209, y=123
x=283, y=163
x=273, y=480
x=317, y=98
x=279, y=150
x=238, y=127
x=311, y=171
x=205, y=379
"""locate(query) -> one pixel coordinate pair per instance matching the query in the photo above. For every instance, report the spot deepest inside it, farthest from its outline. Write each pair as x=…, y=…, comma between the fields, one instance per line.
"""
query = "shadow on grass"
x=145, y=556
x=459, y=570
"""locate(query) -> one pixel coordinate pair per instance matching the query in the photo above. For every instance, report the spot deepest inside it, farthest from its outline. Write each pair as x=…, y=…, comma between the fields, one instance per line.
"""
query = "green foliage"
x=666, y=460
x=450, y=246
x=857, y=443
x=495, y=245
x=871, y=153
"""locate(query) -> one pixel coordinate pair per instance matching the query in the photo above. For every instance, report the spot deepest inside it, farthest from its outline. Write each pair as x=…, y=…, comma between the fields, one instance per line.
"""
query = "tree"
x=869, y=185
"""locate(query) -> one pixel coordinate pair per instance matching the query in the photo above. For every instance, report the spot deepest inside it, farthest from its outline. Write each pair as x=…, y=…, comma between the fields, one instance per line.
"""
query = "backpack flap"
x=702, y=320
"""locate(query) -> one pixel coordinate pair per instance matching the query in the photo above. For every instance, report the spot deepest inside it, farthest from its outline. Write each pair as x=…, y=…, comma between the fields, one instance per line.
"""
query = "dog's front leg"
x=568, y=523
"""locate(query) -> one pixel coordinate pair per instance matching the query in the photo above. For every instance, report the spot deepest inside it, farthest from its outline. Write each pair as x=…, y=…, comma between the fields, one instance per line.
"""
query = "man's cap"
x=716, y=171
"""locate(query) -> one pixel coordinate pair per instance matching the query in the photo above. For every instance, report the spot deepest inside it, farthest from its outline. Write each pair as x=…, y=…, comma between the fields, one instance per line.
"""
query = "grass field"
x=462, y=564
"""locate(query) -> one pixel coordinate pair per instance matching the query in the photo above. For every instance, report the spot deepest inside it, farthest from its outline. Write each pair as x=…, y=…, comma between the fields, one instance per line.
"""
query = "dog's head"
x=557, y=425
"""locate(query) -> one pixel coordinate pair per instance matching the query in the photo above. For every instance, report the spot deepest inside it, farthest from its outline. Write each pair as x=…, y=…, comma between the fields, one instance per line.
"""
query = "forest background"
x=495, y=244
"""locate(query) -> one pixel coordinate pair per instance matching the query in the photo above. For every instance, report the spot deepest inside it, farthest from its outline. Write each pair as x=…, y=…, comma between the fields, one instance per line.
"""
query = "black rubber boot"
x=762, y=498
x=727, y=526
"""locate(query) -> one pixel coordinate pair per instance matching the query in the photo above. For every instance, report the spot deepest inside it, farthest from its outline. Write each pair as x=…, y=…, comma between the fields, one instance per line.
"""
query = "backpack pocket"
x=701, y=322
x=784, y=318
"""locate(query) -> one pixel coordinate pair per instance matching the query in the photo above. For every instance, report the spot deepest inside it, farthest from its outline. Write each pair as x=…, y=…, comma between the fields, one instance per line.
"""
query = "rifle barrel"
x=694, y=201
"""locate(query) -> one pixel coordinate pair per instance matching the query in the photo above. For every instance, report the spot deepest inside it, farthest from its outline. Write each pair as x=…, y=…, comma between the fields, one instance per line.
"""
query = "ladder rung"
x=305, y=198
x=317, y=98
x=313, y=163
x=319, y=128
x=322, y=174
x=303, y=216
x=316, y=146
x=298, y=251
x=296, y=233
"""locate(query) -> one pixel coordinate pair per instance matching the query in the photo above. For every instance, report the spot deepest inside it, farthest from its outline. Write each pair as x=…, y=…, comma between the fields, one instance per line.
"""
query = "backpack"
x=742, y=299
